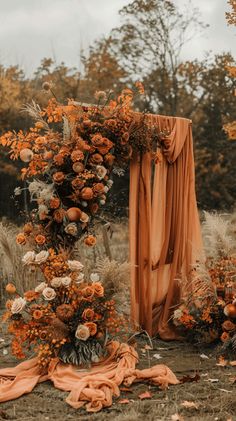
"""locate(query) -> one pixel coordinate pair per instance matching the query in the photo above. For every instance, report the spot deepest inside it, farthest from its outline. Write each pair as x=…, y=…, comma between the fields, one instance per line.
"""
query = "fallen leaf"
x=177, y=417
x=124, y=401
x=145, y=395
x=189, y=404
x=204, y=357
x=222, y=362
x=157, y=356
x=233, y=363
x=190, y=379
x=125, y=389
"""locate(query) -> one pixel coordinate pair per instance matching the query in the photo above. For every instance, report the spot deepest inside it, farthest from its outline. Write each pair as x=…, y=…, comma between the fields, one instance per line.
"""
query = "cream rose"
x=101, y=171
x=49, y=293
x=40, y=287
x=94, y=277
x=56, y=282
x=71, y=229
x=80, y=278
x=82, y=333
x=109, y=183
x=41, y=257
x=66, y=281
x=18, y=305
x=84, y=217
x=75, y=265
x=29, y=258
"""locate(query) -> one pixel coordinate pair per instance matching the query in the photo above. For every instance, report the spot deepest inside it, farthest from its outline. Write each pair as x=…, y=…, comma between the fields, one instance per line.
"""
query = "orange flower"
x=90, y=241
x=98, y=289
x=228, y=325
x=109, y=159
x=40, y=239
x=87, y=193
x=58, y=159
x=54, y=202
x=31, y=295
x=224, y=337
x=28, y=228
x=65, y=312
x=94, y=208
x=10, y=288
x=58, y=177
x=92, y=328
x=58, y=215
x=77, y=183
x=88, y=314
x=77, y=155
x=87, y=292
x=96, y=159
x=98, y=189
x=21, y=239
x=8, y=304
x=37, y=314
x=97, y=139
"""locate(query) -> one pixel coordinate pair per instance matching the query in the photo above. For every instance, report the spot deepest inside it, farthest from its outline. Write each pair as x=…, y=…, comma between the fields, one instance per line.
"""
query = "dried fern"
x=35, y=112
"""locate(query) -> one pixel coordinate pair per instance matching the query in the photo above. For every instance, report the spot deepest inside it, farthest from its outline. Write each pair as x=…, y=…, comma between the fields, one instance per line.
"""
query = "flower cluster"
x=65, y=316
x=214, y=317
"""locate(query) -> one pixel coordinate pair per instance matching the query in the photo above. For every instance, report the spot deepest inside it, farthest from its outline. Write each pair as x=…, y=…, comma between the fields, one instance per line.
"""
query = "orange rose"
x=98, y=289
x=107, y=145
x=90, y=241
x=224, y=337
x=87, y=292
x=54, y=203
x=28, y=228
x=8, y=304
x=94, y=208
x=31, y=295
x=37, y=314
x=92, y=328
x=58, y=177
x=40, y=239
x=87, y=193
x=77, y=183
x=97, y=139
x=109, y=159
x=58, y=215
x=10, y=288
x=228, y=325
x=21, y=239
x=98, y=189
x=58, y=159
x=77, y=155
x=96, y=159
x=88, y=314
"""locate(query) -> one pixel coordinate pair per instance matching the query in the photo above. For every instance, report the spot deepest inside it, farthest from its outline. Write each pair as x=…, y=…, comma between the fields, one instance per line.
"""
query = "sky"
x=33, y=29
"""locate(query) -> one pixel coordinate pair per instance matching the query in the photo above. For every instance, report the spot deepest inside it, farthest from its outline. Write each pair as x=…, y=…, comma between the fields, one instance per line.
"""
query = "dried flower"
x=28, y=228
x=65, y=312
x=71, y=229
x=54, y=203
x=75, y=265
x=58, y=215
x=87, y=193
x=77, y=155
x=26, y=155
x=82, y=333
x=92, y=328
x=47, y=86
x=90, y=240
x=41, y=257
x=88, y=292
x=49, y=293
x=21, y=239
x=40, y=287
x=18, y=305
x=37, y=314
x=100, y=95
x=10, y=288
x=94, y=277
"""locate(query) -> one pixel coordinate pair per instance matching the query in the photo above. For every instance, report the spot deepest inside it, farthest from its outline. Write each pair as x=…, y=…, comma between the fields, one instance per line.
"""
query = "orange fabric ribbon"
x=93, y=388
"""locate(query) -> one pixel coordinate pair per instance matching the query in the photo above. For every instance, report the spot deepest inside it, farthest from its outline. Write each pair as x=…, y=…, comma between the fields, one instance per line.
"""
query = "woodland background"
x=147, y=47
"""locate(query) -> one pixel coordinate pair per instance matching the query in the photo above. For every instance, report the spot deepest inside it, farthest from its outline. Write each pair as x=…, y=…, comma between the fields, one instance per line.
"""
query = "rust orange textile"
x=165, y=235
x=92, y=388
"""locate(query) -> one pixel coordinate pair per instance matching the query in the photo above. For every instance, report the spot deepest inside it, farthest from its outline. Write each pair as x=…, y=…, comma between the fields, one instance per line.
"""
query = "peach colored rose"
x=18, y=305
x=75, y=265
x=87, y=193
x=98, y=289
x=40, y=239
x=88, y=292
x=96, y=158
x=58, y=177
x=21, y=239
x=77, y=183
x=49, y=293
x=98, y=189
x=82, y=333
x=58, y=215
x=92, y=328
x=88, y=314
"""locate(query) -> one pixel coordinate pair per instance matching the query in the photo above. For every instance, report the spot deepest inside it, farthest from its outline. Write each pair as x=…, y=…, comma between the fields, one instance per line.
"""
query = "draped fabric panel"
x=165, y=235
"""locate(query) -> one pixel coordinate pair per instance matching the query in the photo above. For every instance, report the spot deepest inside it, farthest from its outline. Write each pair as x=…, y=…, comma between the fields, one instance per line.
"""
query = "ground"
x=213, y=394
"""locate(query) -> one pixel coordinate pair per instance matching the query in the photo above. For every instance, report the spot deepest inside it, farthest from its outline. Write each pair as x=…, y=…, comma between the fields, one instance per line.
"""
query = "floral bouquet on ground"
x=65, y=316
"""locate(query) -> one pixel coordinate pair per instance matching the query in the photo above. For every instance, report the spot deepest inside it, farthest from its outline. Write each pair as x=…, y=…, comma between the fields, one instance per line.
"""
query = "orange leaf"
x=125, y=389
x=222, y=362
x=124, y=401
x=233, y=363
x=145, y=395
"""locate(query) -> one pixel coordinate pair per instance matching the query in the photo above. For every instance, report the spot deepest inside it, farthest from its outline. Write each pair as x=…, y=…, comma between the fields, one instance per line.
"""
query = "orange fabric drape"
x=92, y=388
x=165, y=235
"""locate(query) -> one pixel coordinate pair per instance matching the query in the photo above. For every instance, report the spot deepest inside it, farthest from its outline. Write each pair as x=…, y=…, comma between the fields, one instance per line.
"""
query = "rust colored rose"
x=54, y=203
x=21, y=239
x=77, y=155
x=94, y=208
x=90, y=241
x=37, y=314
x=65, y=312
x=82, y=333
x=8, y=304
x=58, y=177
x=228, y=325
x=98, y=289
x=28, y=228
x=10, y=288
x=31, y=295
x=224, y=337
x=96, y=158
x=98, y=189
x=77, y=183
x=87, y=292
x=107, y=145
x=97, y=139
x=58, y=159
x=109, y=159
x=92, y=328
x=58, y=215
x=87, y=193
x=88, y=314
x=78, y=167
x=40, y=239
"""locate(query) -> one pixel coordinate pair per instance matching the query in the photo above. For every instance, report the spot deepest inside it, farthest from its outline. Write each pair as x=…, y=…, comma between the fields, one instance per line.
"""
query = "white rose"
x=106, y=189
x=41, y=257
x=101, y=171
x=82, y=333
x=110, y=183
x=80, y=278
x=40, y=287
x=75, y=265
x=28, y=258
x=66, y=281
x=56, y=282
x=49, y=293
x=94, y=277
x=18, y=305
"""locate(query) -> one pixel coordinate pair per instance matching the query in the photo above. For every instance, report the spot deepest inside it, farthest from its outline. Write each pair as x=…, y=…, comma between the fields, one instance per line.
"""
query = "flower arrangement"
x=214, y=317
x=65, y=316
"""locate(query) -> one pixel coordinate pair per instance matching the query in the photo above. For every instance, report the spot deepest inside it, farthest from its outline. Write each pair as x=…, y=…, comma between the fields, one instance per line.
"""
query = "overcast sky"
x=33, y=29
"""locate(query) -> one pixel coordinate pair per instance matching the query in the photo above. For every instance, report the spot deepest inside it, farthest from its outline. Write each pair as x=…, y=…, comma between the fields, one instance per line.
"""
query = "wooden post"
x=106, y=240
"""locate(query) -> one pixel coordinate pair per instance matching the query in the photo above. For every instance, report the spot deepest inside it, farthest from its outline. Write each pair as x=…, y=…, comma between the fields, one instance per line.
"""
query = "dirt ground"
x=213, y=394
